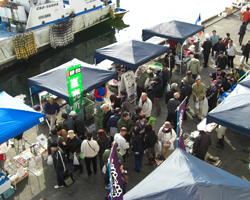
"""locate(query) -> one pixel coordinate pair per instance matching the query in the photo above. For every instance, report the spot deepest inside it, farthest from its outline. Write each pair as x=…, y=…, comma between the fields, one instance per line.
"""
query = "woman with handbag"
x=90, y=149
x=166, y=136
x=73, y=145
x=104, y=143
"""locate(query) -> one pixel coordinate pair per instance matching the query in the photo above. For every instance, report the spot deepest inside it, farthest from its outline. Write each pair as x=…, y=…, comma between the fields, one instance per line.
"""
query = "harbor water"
x=142, y=14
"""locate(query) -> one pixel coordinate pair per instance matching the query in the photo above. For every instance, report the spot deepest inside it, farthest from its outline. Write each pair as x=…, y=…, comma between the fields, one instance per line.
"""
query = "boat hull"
x=42, y=36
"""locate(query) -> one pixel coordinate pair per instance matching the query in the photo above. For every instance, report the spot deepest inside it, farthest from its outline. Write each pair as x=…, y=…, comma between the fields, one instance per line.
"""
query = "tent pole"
x=181, y=59
x=32, y=104
x=177, y=139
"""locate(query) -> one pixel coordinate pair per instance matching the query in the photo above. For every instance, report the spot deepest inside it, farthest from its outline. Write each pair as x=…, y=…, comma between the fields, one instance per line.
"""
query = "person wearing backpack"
x=166, y=136
x=57, y=139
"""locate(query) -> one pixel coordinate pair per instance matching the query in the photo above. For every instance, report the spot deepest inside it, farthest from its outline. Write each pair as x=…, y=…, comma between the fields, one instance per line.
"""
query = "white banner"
x=128, y=83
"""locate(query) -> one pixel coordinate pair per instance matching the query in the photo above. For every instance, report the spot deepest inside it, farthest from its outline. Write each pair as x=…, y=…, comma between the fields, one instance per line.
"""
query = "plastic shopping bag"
x=205, y=104
x=104, y=169
x=75, y=160
x=242, y=59
x=50, y=160
x=158, y=148
x=167, y=88
x=171, y=148
x=82, y=155
x=196, y=104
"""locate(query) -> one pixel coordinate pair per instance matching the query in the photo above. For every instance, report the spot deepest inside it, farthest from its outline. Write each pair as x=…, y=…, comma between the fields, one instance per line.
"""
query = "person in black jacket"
x=104, y=143
x=73, y=145
x=207, y=45
x=172, y=109
x=149, y=143
x=212, y=94
x=115, y=101
x=59, y=163
x=157, y=93
x=170, y=61
x=136, y=113
x=222, y=60
x=107, y=114
x=170, y=94
x=137, y=141
x=79, y=125
x=57, y=139
x=165, y=76
x=246, y=50
x=226, y=83
x=186, y=91
x=242, y=31
x=68, y=123
x=218, y=47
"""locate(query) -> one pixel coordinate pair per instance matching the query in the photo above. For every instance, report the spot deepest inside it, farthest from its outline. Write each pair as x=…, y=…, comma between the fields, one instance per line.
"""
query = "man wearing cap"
x=186, y=91
x=212, y=94
x=195, y=66
x=107, y=114
x=51, y=110
x=172, y=109
x=218, y=74
x=74, y=144
x=158, y=72
x=112, y=123
x=170, y=94
x=201, y=145
x=59, y=163
x=123, y=145
x=207, y=45
x=170, y=61
x=157, y=93
x=79, y=125
x=198, y=91
x=222, y=60
x=219, y=47
x=126, y=122
x=166, y=136
x=68, y=123
x=146, y=105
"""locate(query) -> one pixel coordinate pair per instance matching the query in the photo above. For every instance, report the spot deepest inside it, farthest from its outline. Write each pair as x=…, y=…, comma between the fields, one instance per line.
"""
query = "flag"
x=116, y=189
x=198, y=22
x=180, y=115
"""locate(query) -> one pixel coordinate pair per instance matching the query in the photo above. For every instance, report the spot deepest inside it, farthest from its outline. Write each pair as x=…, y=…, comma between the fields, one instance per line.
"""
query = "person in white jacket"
x=231, y=52
x=166, y=136
x=146, y=105
x=90, y=149
x=123, y=145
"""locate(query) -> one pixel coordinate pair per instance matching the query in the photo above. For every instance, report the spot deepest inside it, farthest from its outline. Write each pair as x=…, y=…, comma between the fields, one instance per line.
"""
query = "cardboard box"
x=229, y=10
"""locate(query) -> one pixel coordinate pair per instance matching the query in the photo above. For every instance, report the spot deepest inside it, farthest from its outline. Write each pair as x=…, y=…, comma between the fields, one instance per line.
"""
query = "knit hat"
x=207, y=35
x=71, y=133
x=157, y=68
x=54, y=144
x=174, y=85
x=72, y=113
x=167, y=125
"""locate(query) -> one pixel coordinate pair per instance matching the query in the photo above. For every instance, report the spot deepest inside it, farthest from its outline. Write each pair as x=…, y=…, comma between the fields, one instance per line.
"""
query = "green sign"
x=74, y=81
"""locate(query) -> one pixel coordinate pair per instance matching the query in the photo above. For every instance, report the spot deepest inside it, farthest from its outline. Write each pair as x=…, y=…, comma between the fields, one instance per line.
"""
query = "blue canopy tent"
x=183, y=176
x=54, y=81
x=234, y=111
x=131, y=53
x=16, y=117
x=174, y=30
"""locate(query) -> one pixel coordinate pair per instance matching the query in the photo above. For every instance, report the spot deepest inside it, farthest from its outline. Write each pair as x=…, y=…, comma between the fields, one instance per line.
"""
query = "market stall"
x=177, y=31
x=233, y=112
x=54, y=82
x=16, y=117
x=131, y=54
x=183, y=176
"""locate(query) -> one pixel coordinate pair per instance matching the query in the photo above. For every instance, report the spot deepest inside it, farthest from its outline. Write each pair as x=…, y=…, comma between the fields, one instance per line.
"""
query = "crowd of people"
x=130, y=129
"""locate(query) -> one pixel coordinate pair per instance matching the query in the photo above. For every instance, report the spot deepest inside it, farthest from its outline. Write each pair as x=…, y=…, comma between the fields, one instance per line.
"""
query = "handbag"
x=67, y=176
x=50, y=160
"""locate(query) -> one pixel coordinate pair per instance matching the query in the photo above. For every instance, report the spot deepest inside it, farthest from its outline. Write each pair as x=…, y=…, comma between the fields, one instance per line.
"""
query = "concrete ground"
x=234, y=156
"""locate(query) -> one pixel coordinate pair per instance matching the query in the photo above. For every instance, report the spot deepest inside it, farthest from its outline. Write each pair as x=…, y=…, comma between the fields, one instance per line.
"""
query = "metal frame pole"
x=181, y=59
x=32, y=104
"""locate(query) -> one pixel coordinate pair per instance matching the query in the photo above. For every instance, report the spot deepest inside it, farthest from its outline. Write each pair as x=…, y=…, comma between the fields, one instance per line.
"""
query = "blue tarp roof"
x=174, y=30
x=183, y=176
x=16, y=117
x=131, y=53
x=234, y=111
x=54, y=80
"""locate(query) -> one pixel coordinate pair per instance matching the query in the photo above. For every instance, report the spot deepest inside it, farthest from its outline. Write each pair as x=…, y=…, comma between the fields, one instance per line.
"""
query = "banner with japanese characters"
x=74, y=81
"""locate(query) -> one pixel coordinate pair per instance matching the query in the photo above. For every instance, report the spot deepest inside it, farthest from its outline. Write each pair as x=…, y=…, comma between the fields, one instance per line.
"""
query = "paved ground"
x=234, y=156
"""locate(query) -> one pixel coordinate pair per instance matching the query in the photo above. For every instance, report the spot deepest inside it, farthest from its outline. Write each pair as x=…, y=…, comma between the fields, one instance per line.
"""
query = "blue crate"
x=8, y=193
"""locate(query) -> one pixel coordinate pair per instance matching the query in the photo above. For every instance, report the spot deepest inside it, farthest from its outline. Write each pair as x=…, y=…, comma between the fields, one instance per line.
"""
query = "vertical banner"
x=116, y=189
x=180, y=116
x=74, y=81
